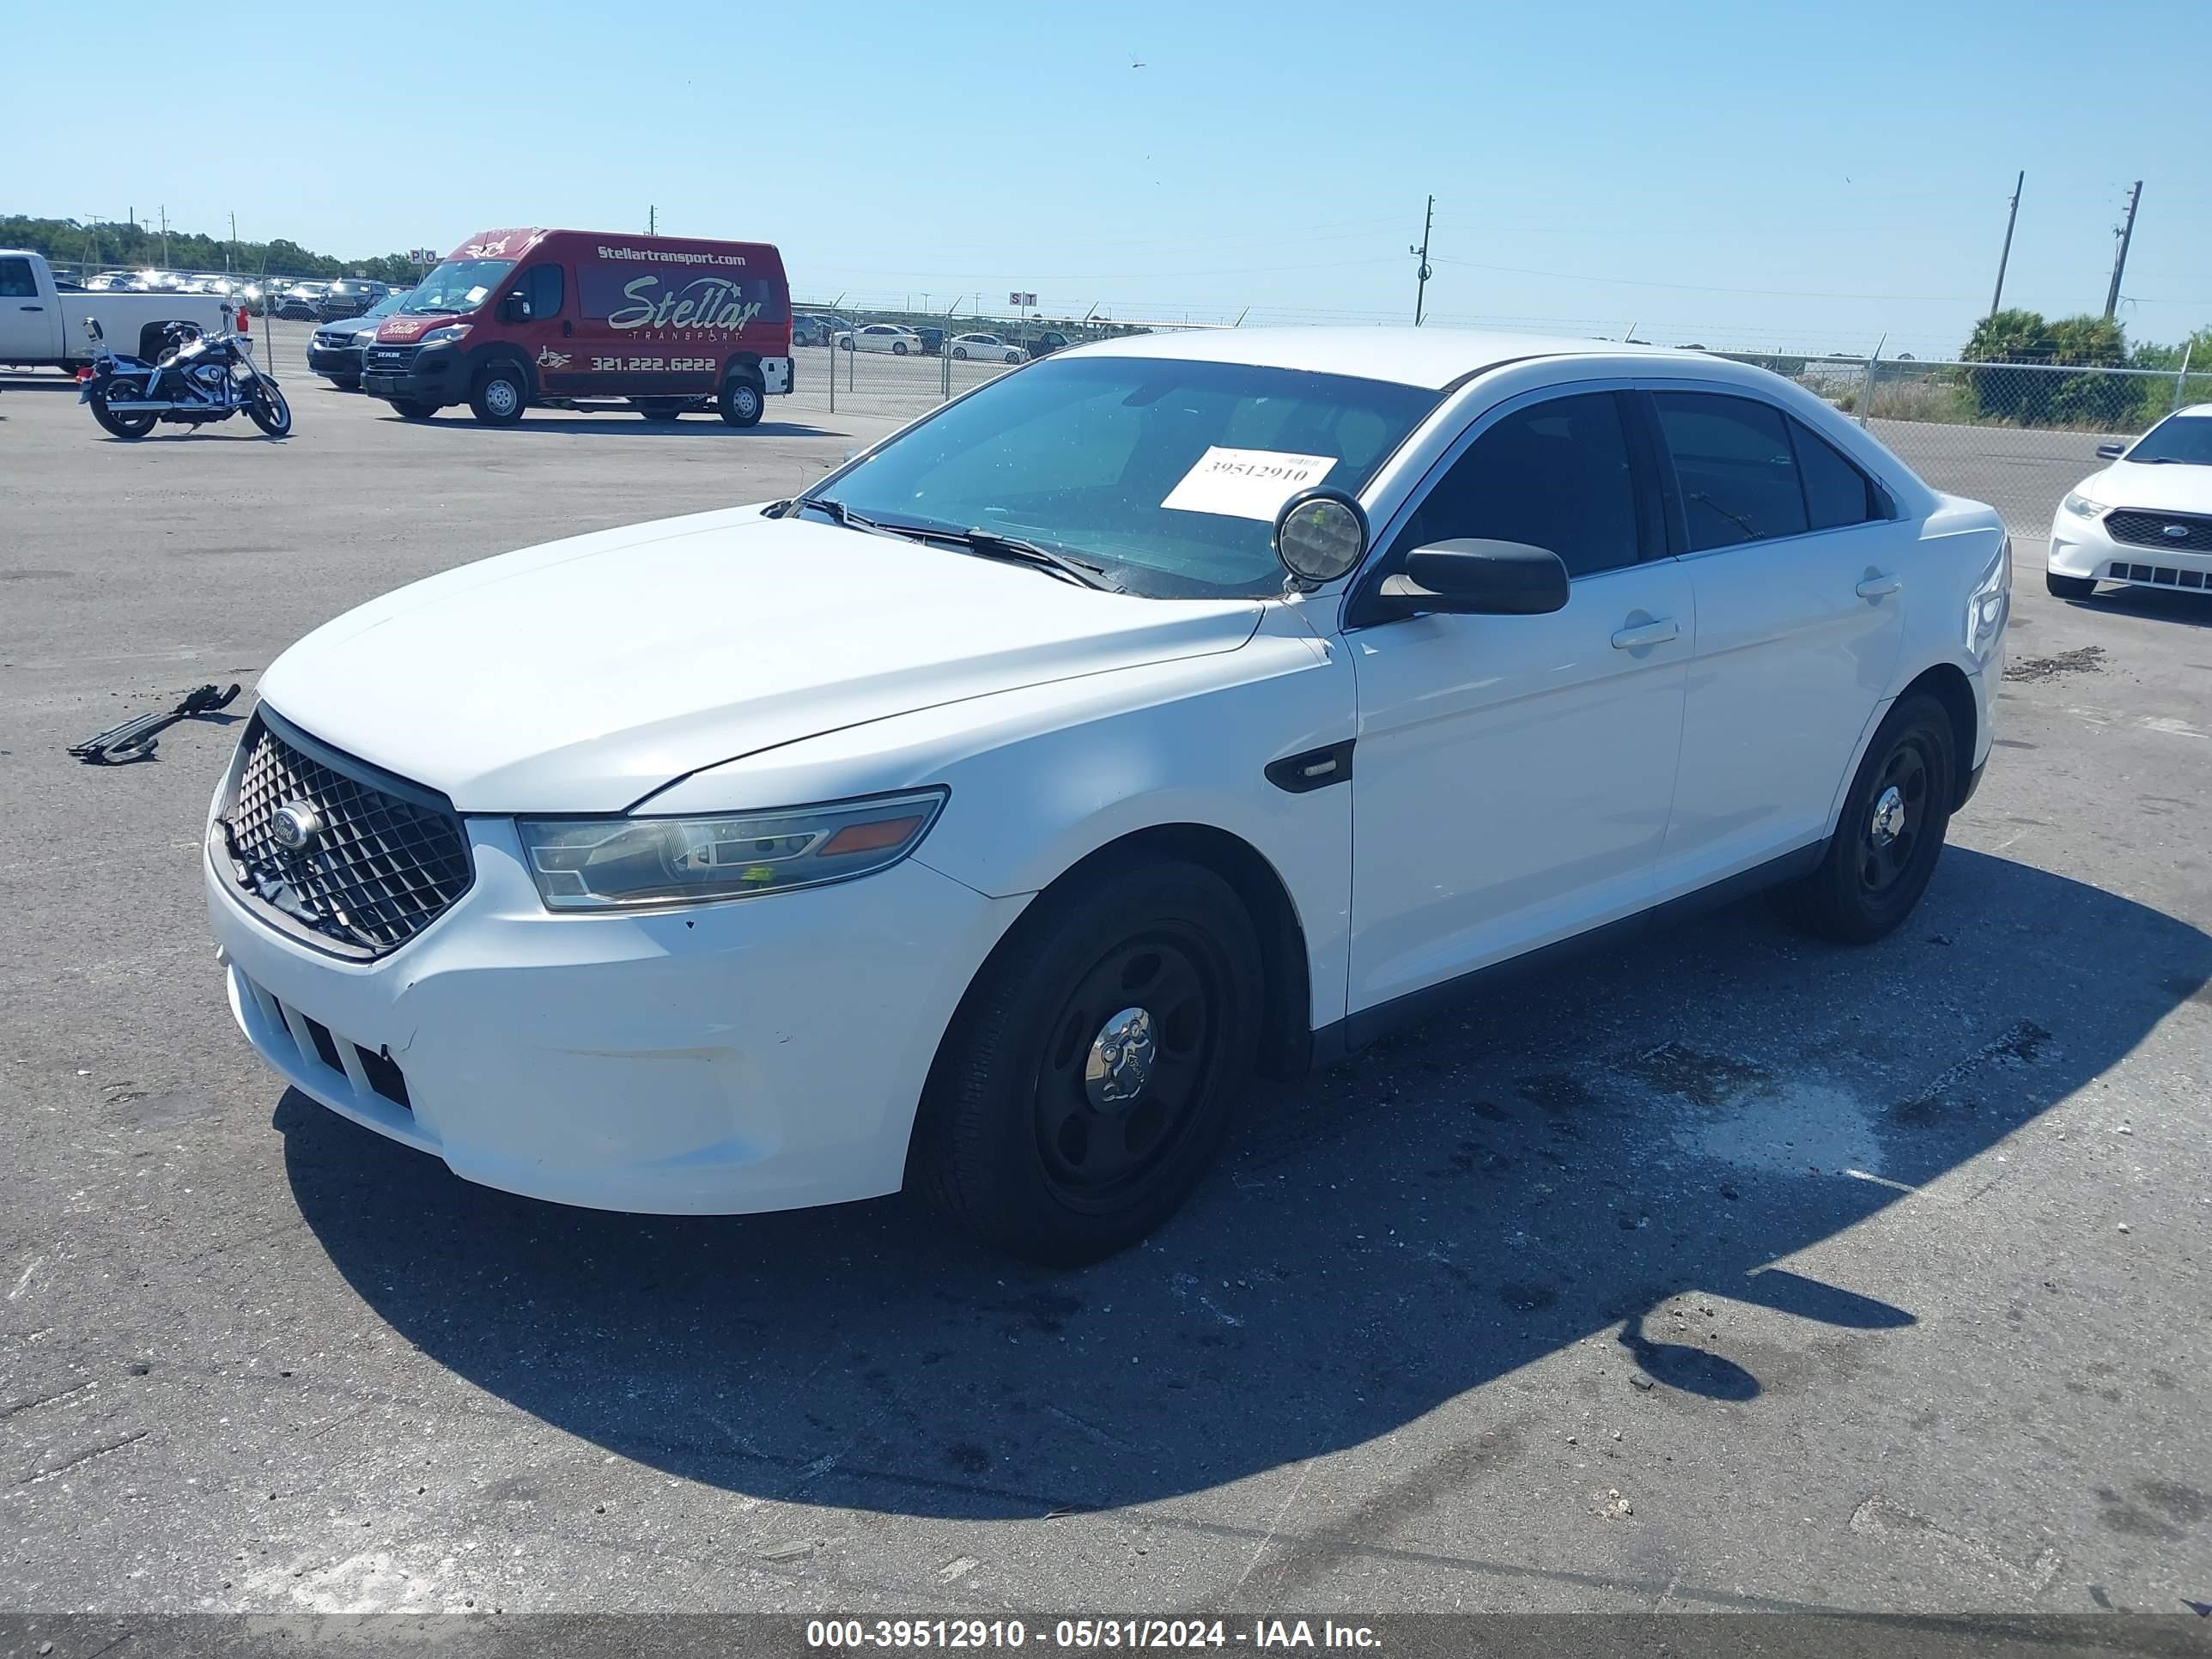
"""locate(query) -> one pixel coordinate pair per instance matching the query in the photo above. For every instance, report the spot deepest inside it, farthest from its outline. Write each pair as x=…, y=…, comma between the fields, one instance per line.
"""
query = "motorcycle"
x=198, y=378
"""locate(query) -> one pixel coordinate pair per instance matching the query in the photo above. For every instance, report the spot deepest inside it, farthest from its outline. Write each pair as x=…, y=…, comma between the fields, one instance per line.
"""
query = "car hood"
x=360, y=330
x=584, y=675
x=2169, y=487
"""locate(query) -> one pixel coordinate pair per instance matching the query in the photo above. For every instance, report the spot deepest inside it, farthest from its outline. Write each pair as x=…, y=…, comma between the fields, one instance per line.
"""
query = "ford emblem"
x=2177, y=531
x=296, y=826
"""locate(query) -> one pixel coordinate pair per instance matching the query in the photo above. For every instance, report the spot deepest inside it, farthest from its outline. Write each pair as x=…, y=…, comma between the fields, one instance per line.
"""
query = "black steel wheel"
x=1890, y=833
x=123, y=425
x=1087, y=1080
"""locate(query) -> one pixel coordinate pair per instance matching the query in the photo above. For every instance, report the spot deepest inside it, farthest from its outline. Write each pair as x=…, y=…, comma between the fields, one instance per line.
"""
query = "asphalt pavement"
x=1730, y=1272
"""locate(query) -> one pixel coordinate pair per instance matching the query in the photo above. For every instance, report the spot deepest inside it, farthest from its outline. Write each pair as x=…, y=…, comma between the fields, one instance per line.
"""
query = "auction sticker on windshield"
x=1246, y=483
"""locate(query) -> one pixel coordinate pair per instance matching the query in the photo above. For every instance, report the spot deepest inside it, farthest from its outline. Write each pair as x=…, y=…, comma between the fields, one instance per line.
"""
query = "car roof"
x=2199, y=410
x=1434, y=357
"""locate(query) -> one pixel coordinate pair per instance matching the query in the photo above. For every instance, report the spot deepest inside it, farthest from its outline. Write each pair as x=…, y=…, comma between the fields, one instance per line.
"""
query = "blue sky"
x=1785, y=174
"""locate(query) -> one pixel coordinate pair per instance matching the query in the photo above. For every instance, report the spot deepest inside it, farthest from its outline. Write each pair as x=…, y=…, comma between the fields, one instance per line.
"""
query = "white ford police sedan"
x=1172, y=709
x=2146, y=520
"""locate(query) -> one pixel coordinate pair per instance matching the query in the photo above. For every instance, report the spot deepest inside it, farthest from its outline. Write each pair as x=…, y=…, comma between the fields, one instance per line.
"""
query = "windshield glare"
x=386, y=307
x=457, y=285
x=1119, y=461
x=2184, y=438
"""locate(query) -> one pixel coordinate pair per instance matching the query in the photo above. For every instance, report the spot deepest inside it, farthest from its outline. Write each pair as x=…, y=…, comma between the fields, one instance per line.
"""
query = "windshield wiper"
x=844, y=515
x=1014, y=550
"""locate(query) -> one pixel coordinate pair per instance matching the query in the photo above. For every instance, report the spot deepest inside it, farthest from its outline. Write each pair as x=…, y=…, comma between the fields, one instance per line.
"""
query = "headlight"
x=450, y=332
x=598, y=863
x=2082, y=506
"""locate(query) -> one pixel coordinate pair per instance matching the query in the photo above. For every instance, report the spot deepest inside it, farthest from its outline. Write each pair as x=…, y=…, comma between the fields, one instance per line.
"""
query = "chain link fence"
x=2017, y=435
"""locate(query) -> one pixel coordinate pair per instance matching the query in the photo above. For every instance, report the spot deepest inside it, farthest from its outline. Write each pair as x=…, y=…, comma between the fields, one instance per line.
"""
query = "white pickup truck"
x=42, y=324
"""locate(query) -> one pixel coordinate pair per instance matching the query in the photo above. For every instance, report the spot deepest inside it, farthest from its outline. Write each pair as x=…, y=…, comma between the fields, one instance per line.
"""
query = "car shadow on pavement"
x=1610, y=1159
x=2193, y=609
x=585, y=426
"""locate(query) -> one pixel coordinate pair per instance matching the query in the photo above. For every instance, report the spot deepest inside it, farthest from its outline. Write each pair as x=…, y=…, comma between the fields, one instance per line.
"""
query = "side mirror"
x=92, y=327
x=2111, y=452
x=1320, y=534
x=515, y=308
x=1473, y=577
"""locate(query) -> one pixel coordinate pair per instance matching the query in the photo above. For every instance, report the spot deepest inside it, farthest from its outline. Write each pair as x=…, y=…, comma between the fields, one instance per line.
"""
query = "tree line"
x=102, y=245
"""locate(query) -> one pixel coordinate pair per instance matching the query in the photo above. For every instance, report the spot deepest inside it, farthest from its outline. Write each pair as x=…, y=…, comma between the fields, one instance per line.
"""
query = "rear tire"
x=961, y=353
x=500, y=396
x=1021, y=1136
x=898, y=348
x=2068, y=587
x=1890, y=833
x=742, y=403
x=122, y=426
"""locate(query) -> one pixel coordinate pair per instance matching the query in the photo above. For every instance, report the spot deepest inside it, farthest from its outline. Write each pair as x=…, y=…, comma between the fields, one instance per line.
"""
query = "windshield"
x=386, y=307
x=2183, y=438
x=457, y=285
x=1168, y=474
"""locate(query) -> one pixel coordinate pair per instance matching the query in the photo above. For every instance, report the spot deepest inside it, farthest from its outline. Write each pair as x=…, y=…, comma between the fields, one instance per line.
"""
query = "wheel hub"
x=1888, y=816
x=1120, y=1060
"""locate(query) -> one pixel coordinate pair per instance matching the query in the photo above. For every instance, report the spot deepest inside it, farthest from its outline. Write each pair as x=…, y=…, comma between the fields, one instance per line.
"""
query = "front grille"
x=2142, y=529
x=389, y=859
x=391, y=359
x=2158, y=575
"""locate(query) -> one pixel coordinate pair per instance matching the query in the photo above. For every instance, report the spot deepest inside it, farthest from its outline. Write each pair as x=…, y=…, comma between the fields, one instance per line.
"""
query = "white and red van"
x=561, y=318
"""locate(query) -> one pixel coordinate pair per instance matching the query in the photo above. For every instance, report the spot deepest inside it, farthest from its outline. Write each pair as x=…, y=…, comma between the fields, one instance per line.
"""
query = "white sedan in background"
x=2145, y=520
x=981, y=819
x=987, y=347
x=881, y=337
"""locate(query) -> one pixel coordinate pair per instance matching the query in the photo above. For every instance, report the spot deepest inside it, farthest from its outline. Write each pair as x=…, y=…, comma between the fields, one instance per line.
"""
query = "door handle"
x=1876, y=587
x=30, y=307
x=566, y=327
x=1643, y=634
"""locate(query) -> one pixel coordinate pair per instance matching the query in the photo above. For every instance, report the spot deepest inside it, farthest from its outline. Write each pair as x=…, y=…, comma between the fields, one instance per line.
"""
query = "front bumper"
x=762, y=1055
x=2084, y=548
x=334, y=360
x=422, y=374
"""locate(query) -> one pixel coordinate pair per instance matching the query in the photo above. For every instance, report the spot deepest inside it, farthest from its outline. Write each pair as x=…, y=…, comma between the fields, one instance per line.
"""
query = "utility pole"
x=1421, y=284
x=2125, y=231
x=230, y=253
x=165, y=237
x=1996, y=300
x=653, y=222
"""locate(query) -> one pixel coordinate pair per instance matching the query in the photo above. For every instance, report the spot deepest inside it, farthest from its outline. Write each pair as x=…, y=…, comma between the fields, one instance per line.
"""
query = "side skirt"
x=1347, y=1036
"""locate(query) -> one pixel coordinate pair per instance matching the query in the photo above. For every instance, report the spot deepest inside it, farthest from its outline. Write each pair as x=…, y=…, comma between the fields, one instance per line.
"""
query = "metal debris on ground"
x=134, y=739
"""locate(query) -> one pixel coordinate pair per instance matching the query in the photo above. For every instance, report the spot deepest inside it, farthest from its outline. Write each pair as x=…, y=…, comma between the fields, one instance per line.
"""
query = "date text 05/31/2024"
x=859, y=1635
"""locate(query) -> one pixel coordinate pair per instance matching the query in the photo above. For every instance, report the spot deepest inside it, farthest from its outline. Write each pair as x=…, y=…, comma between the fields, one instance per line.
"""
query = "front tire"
x=410, y=409
x=742, y=404
x=960, y=353
x=344, y=382
x=499, y=395
x=268, y=410
x=1094, y=1066
x=1880, y=860
x=898, y=348
x=2068, y=587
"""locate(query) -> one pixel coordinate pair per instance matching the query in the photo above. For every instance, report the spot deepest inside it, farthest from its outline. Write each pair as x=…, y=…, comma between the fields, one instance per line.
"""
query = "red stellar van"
x=514, y=318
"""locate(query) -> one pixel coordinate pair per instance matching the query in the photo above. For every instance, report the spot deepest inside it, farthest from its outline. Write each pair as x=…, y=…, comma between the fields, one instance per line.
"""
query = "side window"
x=1837, y=493
x=17, y=282
x=1553, y=475
x=543, y=284
x=1734, y=463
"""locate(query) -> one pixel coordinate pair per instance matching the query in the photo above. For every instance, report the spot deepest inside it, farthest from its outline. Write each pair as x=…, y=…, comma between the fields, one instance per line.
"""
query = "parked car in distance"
x=299, y=301
x=349, y=296
x=2146, y=520
x=931, y=337
x=42, y=324
x=1059, y=788
x=1044, y=342
x=899, y=341
x=988, y=347
x=816, y=328
x=335, y=350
